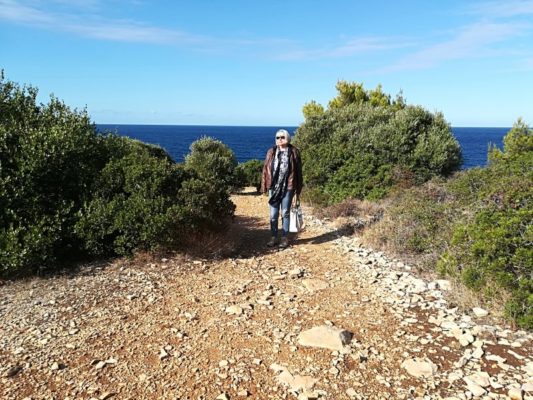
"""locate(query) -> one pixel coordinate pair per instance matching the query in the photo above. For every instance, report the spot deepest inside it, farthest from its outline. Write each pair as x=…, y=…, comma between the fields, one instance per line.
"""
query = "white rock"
x=100, y=365
x=296, y=273
x=476, y=390
x=449, y=325
x=527, y=387
x=515, y=394
x=478, y=353
x=465, y=339
x=326, y=337
x=515, y=355
x=234, y=310
x=495, y=384
x=418, y=286
x=494, y=357
x=314, y=284
x=480, y=312
x=528, y=368
x=351, y=392
x=163, y=354
x=419, y=368
x=479, y=378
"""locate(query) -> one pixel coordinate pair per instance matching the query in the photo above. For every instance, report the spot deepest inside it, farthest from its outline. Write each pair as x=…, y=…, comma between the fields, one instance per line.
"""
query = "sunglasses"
x=280, y=137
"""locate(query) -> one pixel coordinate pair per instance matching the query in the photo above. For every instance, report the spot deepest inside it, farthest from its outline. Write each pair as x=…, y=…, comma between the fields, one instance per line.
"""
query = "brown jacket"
x=295, y=181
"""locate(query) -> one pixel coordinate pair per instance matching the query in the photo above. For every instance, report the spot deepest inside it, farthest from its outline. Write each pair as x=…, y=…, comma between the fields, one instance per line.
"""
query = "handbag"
x=296, y=220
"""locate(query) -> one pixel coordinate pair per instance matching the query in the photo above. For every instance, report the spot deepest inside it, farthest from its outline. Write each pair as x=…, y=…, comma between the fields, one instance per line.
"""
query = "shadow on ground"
x=247, y=237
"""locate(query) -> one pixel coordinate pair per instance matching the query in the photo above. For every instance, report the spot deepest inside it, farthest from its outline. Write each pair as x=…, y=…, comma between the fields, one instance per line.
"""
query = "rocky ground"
x=323, y=319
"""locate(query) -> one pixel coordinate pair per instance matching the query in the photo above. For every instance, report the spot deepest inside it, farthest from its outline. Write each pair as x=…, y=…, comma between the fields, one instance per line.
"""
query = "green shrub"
x=134, y=201
x=491, y=249
x=212, y=160
x=50, y=157
x=249, y=173
x=143, y=200
x=476, y=227
x=356, y=148
x=212, y=164
x=67, y=192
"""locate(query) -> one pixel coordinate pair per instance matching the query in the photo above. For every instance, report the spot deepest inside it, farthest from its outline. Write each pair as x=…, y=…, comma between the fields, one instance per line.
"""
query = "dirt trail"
x=228, y=328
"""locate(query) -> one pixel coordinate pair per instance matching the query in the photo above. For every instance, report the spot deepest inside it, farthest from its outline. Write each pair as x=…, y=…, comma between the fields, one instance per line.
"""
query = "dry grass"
x=351, y=215
x=466, y=299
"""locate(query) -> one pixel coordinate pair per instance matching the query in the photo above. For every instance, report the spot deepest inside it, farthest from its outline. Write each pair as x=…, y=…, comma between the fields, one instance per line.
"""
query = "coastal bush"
x=491, y=249
x=212, y=160
x=49, y=159
x=134, y=201
x=476, y=227
x=143, y=201
x=249, y=173
x=212, y=165
x=67, y=192
x=365, y=143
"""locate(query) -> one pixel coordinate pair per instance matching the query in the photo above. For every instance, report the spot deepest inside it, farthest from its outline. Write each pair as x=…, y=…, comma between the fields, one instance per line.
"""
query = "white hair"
x=285, y=133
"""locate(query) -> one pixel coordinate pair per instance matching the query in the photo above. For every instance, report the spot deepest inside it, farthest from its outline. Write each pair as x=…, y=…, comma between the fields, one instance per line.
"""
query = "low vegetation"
x=364, y=144
x=249, y=173
x=67, y=192
x=476, y=227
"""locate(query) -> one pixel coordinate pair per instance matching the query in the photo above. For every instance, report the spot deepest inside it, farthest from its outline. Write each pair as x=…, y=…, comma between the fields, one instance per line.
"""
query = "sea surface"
x=249, y=142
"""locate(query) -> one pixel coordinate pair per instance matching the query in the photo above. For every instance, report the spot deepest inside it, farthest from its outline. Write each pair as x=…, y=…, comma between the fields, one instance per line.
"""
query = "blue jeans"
x=285, y=214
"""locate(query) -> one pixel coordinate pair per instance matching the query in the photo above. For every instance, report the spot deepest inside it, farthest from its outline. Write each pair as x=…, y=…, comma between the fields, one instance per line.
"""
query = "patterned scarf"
x=280, y=177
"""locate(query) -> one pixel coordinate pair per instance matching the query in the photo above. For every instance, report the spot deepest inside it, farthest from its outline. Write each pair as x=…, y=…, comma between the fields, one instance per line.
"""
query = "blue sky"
x=258, y=62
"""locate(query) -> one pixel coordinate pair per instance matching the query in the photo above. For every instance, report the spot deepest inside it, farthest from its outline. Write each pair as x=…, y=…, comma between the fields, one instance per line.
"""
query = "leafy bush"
x=50, y=157
x=491, y=249
x=144, y=201
x=135, y=201
x=67, y=192
x=212, y=164
x=249, y=173
x=212, y=160
x=364, y=144
x=477, y=226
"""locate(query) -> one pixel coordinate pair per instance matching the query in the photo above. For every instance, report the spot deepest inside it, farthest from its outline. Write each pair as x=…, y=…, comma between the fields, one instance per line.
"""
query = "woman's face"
x=281, y=140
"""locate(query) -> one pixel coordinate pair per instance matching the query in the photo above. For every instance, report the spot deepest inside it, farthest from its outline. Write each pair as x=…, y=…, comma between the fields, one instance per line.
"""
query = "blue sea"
x=248, y=142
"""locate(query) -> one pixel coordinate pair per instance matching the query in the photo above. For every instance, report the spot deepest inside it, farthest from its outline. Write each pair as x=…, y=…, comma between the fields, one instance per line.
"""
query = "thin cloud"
x=15, y=12
x=503, y=8
x=351, y=48
x=94, y=27
x=472, y=41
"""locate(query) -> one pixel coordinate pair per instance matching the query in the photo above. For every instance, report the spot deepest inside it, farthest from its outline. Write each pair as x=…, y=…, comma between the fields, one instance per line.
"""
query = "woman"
x=282, y=179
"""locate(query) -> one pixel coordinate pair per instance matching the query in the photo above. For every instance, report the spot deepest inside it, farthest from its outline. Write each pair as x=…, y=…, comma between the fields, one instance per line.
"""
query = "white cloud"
x=350, y=48
x=498, y=9
x=471, y=41
x=92, y=26
x=13, y=11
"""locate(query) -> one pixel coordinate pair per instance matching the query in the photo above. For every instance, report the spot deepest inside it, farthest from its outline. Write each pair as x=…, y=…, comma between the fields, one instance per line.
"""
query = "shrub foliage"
x=67, y=192
x=249, y=173
x=365, y=143
x=492, y=248
x=477, y=226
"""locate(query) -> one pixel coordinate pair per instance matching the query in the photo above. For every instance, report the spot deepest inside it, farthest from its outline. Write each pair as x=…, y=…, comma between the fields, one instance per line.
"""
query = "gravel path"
x=324, y=318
